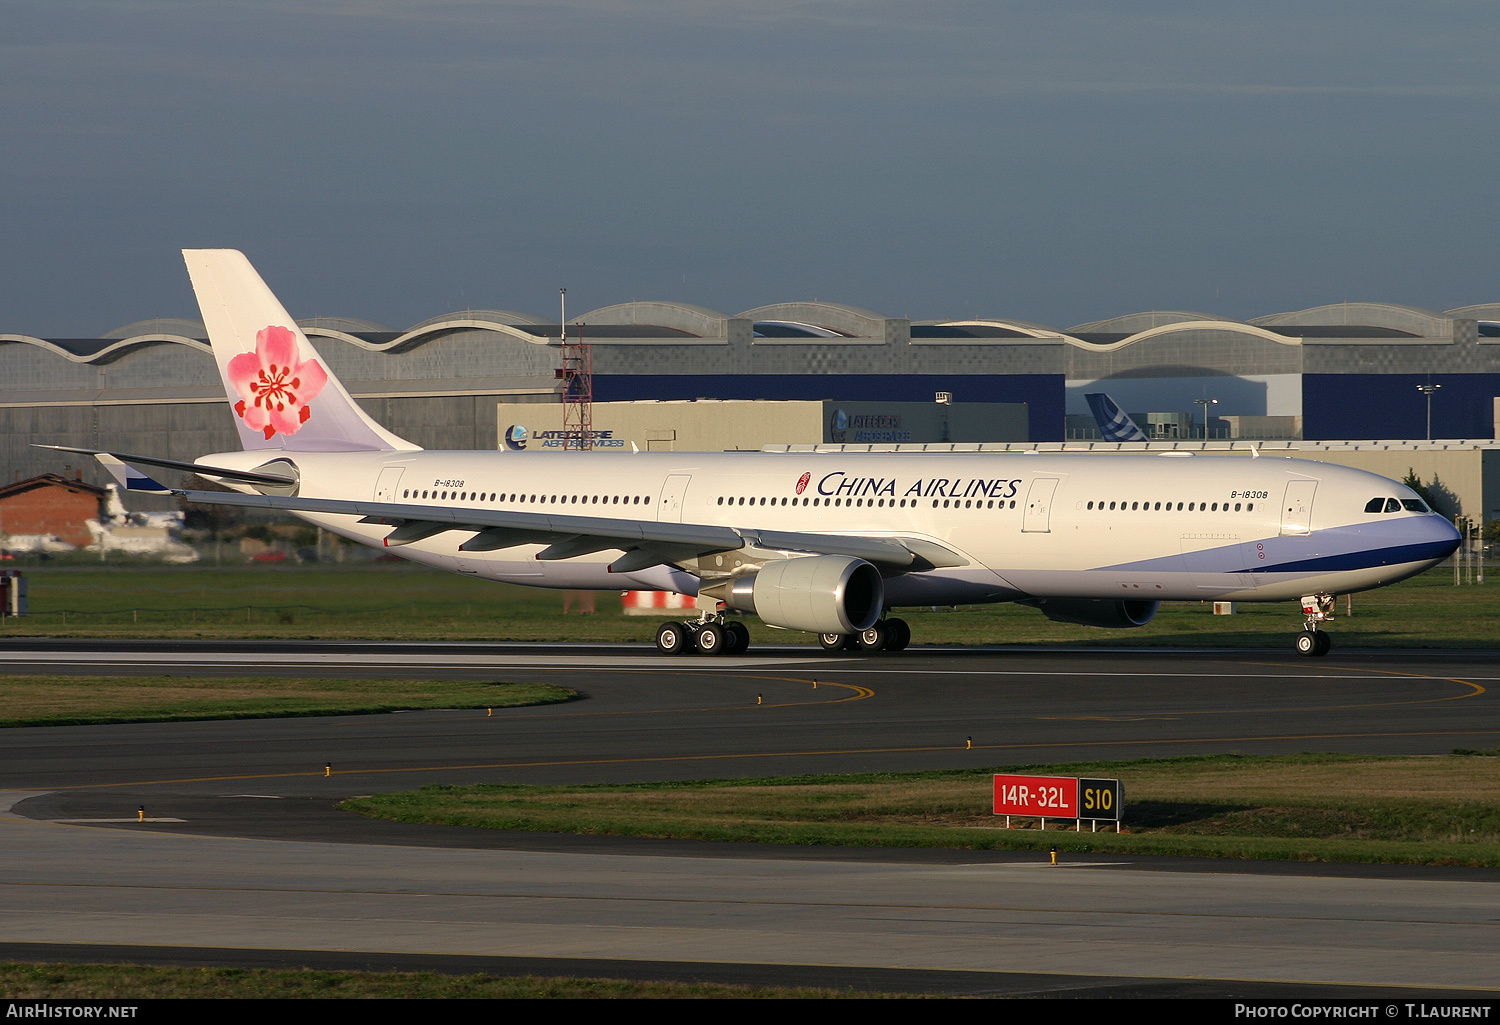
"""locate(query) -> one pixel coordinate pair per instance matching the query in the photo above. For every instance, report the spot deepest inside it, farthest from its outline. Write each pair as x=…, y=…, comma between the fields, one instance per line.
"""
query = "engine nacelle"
x=1115, y=615
x=822, y=594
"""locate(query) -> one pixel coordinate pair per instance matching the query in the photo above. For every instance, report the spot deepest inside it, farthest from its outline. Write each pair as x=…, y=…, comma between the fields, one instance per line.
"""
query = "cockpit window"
x=1391, y=505
x=1374, y=505
x=1414, y=505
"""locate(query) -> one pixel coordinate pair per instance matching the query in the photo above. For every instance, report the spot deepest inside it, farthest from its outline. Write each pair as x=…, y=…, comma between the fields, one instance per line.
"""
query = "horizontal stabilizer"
x=221, y=472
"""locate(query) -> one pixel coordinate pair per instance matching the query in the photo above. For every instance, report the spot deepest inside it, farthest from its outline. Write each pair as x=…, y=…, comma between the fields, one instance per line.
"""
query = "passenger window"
x=1391, y=505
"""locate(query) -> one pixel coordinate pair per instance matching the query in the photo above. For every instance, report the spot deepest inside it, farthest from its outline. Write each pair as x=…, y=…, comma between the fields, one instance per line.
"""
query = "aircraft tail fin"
x=1114, y=423
x=282, y=394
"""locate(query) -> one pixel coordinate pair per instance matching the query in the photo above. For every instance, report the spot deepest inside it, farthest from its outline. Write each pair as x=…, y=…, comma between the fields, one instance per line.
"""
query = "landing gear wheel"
x=875, y=638
x=1325, y=643
x=898, y=635
x=712, y=639
x=739, y=638
x=1312, y=643
x=832, y=642
x=673, y=639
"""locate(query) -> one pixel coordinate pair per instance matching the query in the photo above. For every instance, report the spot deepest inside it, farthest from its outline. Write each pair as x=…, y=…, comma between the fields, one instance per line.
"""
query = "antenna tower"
x=577, y=376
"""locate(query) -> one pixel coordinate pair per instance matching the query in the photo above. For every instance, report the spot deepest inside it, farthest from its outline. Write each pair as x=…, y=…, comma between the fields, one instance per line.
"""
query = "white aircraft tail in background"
x=1114, y=423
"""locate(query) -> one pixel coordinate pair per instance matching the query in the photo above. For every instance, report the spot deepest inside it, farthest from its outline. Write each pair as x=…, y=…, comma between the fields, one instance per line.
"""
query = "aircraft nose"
x=1437, y=531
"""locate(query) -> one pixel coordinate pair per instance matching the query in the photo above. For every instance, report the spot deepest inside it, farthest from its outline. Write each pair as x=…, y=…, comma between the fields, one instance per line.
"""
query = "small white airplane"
x=825, y=543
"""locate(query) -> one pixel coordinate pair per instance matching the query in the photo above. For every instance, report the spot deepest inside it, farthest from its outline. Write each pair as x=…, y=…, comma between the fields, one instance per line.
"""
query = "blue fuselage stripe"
x=1365, y=559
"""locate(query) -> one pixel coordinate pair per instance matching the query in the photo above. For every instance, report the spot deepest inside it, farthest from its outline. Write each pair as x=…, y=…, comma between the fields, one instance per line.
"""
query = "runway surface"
x=249, y=786
x=645, y=717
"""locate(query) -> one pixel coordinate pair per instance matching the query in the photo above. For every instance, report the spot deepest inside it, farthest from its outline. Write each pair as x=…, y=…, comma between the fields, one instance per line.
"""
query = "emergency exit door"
x=669, y=509
x=385, y=487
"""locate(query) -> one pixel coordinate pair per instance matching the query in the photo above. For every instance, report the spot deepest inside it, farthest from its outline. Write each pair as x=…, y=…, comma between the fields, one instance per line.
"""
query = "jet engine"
x=1116, y=615
x=817, y=593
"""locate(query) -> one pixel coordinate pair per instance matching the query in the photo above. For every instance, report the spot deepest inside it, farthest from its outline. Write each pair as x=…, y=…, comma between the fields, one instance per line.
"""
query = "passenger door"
x=1296, y=509
x=1038, y=517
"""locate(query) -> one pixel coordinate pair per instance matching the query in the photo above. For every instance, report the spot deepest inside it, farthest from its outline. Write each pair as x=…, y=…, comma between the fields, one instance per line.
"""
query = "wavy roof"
x=662, y=319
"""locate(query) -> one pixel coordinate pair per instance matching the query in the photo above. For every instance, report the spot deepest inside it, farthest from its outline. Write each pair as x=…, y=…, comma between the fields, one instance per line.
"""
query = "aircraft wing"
x=645, y=543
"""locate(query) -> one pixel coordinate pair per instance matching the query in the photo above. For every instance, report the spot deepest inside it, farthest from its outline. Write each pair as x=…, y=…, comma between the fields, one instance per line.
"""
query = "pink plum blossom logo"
x=274, y=387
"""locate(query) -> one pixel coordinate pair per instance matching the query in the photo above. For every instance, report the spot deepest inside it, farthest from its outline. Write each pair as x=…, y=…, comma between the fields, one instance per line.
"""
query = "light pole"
x=1205, y=403
x=1428, y=389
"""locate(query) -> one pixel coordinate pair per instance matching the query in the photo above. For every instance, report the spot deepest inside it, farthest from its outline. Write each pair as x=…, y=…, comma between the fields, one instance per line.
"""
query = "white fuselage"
x=1140, y=527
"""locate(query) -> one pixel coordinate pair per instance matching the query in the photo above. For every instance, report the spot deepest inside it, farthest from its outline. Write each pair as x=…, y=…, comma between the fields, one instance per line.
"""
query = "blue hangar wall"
x=1044, y=394
x=1389, y=406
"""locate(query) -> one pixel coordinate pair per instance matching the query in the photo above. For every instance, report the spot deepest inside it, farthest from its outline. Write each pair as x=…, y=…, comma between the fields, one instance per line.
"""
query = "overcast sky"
x=1056, y=161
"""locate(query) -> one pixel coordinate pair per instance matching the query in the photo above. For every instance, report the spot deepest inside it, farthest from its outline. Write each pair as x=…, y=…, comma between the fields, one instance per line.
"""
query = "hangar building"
x=1350, y=370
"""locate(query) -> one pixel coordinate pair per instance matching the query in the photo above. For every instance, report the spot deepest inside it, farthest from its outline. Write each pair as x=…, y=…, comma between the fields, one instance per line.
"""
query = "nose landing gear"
x=1316, y=609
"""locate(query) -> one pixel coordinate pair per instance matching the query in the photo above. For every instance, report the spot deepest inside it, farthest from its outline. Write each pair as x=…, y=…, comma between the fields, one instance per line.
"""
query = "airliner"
x=826, y=543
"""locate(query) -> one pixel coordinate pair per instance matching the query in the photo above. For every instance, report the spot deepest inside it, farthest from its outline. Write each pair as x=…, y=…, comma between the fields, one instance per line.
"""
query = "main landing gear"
x=886, y=635
x=1312, y=642
x=716, y=636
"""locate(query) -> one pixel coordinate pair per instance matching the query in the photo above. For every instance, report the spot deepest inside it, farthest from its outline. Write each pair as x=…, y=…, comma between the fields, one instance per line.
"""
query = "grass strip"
x=19, y=981
x=1309, y=807
x=87, y=700
x=389, y=600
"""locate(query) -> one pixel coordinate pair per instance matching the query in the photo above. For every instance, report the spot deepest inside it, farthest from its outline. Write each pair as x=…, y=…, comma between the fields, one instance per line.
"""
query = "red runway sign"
x=1045, y=796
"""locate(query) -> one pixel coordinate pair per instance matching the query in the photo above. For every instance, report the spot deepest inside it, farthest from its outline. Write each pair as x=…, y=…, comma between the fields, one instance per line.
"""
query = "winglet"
x=129, y=477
